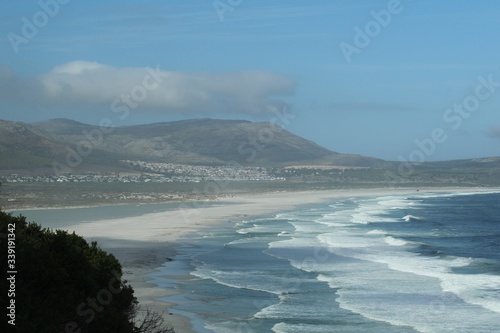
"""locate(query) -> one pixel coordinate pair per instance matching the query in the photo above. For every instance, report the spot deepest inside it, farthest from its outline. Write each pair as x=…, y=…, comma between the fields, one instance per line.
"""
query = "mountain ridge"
x=37, y=146
x=201, y=141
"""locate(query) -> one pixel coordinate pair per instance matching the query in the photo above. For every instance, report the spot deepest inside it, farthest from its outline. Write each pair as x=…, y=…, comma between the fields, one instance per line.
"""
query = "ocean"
x=406, y=264
x=417, y=263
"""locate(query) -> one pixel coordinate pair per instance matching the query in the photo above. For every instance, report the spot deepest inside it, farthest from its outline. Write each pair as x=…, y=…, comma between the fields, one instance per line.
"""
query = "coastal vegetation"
x=61, y=283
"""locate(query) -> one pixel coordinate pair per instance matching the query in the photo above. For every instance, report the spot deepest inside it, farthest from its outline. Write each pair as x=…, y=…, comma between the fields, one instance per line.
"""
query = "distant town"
x=144, y=172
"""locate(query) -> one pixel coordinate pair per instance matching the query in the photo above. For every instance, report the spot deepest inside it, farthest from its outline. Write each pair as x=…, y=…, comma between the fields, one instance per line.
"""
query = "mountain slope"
x=205, y=141
x=227, y=140
x=25, y=146
x=196, y=141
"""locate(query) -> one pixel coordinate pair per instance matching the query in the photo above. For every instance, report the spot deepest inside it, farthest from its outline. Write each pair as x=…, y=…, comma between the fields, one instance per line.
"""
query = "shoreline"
x=11, y=207
x=144, y=243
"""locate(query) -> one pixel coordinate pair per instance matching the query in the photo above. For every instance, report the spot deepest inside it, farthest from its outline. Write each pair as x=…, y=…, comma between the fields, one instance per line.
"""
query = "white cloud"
x=82, y=83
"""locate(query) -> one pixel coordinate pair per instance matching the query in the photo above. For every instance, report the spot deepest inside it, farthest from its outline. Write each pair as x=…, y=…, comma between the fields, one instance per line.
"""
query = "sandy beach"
x=145, y=242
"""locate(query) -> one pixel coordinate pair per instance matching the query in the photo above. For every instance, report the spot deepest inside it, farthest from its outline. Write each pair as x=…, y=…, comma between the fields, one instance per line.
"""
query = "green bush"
x=63, y=283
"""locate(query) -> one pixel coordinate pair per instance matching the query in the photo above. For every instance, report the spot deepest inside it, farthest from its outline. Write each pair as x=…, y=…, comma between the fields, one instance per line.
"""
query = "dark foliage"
x=64, y=284
x=152, y=322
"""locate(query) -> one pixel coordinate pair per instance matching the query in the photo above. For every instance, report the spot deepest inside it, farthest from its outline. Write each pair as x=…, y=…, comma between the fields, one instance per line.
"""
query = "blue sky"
x=382, y=92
